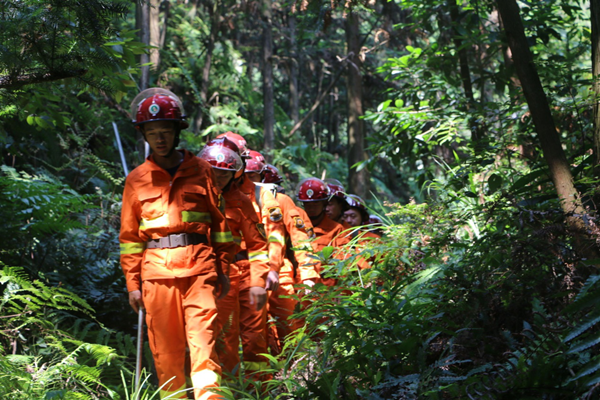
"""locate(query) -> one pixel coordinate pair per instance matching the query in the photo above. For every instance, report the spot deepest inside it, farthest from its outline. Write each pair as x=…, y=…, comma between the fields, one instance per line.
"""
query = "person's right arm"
x=131, y=245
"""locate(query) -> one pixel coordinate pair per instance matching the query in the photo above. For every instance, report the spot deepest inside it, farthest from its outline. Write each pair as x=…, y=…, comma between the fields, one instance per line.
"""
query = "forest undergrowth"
x=465, y=299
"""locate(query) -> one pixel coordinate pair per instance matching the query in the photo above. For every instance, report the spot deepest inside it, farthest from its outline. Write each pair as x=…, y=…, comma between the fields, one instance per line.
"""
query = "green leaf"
x=494, y=183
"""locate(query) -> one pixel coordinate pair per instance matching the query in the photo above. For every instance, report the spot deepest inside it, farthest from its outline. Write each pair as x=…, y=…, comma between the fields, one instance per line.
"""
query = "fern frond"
x=588, y=323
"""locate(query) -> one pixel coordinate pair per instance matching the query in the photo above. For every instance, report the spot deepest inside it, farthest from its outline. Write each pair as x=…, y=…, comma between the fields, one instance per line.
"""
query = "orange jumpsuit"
x=250, y=268
x=268, y=210
x=329, y=233
x=362, y=238
x=298, y=266
x=177, y=283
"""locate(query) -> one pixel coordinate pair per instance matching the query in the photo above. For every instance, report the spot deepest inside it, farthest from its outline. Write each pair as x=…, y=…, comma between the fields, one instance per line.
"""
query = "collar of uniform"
x=184, y=167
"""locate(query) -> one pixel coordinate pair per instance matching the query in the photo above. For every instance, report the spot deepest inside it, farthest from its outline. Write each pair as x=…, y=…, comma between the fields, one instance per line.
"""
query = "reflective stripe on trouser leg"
x=200, y=316
x=253, y=328
x=228, y=325
x=166, y=334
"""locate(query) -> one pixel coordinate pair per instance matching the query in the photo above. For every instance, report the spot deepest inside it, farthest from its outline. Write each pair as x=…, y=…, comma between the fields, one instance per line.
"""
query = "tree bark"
x=214, y=10
x=358, y=181
x=267, y=75
x=143, y=24
x=465, y=76
x=154, y=23
x=540, y=112
x=595, y=16
x=294, y=94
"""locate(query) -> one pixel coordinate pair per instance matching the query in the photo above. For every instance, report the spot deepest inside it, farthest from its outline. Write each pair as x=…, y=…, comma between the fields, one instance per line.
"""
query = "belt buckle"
x=177, y=240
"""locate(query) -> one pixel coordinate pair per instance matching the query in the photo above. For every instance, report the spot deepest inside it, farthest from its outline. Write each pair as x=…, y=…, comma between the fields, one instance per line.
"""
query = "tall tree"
x=213, y=9
x=554, y=155
x=595, y=16
x=293, y=71
x=267, y=76
x=358, y=181
x=142, y=20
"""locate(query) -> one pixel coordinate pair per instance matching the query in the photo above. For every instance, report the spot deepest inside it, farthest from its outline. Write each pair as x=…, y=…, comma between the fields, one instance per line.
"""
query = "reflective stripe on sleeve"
x=221, y=237
x=258, y=256
x=132, y=248
x=237, y=240
x=195, y=216
x=276, y=237
x=160, y=222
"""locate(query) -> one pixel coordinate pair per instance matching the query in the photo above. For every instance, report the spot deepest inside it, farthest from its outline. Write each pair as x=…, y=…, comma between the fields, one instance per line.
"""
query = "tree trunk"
x=358, y=181
x=267, y=75
x=143, y=24
x=294, y=97
x=540, y=113
x=154, y=24
x=214, y=10
x=465, y=76
x=595, y=15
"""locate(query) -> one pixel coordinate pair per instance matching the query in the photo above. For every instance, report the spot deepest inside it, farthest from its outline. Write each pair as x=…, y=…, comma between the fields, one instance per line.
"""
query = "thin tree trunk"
x=163, y=32
x=595, y=15
x=143, y=24
x=465, y=75
x=214, y=10
x=294, y=97
x=267, y=75
x=154, y=23
x=358, y=181
x=540, y=112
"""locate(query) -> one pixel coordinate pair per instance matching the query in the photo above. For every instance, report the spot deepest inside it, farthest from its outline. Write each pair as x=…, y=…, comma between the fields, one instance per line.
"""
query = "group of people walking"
x=212, y=249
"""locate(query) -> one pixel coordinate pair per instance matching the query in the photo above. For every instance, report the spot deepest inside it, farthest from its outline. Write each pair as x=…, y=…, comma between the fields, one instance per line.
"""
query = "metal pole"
x=140, y=349
x=120, y=149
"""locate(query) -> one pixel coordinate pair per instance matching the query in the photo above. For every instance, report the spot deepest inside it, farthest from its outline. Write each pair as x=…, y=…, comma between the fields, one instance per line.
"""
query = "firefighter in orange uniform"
x=357, y=217
x=266, y=207
x=175, y=249
x=298, y=267
x=337, y=205
x=314, y=195
x=241, y=311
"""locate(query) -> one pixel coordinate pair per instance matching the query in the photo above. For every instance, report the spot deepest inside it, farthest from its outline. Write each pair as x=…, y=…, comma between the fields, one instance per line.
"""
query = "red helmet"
x=255, y=163
x=312, y=189
x=375, y=220
x=271, y=174
x=336, y=188
x=157, y=104
x=238, y=140
x=223, y=141
x=217, y=160
x=221, y=157
x=356, y=202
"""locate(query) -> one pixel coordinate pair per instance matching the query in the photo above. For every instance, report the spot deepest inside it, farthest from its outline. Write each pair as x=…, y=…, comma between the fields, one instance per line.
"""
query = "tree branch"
x=15, y=82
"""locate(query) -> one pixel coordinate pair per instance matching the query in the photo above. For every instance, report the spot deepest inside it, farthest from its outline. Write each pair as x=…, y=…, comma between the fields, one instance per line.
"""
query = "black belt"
x=177, y=240
x=242, y=255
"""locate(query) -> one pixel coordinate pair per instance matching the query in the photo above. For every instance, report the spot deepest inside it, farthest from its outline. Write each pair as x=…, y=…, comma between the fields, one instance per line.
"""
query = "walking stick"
x=140, y=349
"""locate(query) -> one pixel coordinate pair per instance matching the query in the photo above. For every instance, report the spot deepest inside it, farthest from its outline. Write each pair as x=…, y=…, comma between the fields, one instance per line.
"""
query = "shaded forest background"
x=469, y=125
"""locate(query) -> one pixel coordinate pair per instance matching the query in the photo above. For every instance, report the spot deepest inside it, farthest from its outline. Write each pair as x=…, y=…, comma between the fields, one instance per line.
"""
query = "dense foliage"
x=479, y=289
